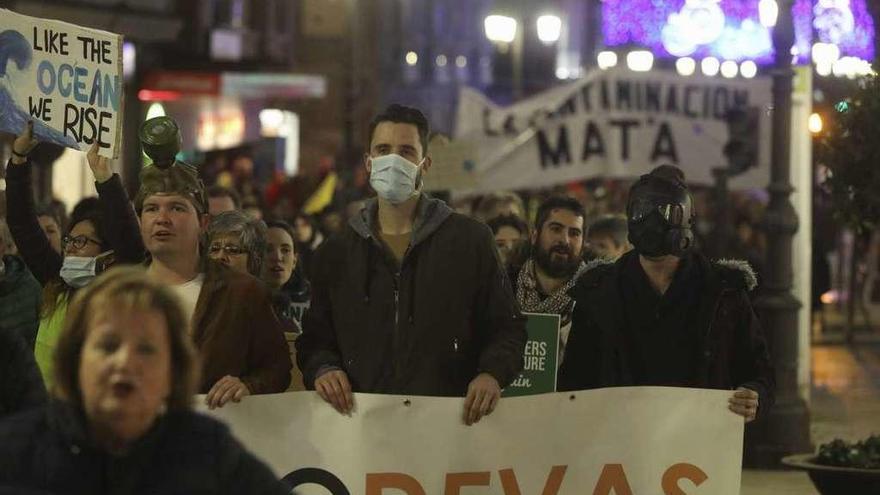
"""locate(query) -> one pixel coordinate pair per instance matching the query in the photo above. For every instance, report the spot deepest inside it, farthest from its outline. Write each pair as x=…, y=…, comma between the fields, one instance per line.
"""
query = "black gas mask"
x=660, y=217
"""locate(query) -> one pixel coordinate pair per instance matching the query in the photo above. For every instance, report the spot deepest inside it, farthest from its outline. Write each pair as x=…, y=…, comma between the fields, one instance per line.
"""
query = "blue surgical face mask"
x=394, y=178
x=79, y=271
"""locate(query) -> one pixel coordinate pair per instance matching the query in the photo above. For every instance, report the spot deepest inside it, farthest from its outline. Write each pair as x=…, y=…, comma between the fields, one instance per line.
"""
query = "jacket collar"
x=430, y=215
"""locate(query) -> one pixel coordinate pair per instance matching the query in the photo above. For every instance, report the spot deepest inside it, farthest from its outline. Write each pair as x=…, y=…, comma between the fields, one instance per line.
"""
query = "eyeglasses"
x=77, y=242
x=229, y=249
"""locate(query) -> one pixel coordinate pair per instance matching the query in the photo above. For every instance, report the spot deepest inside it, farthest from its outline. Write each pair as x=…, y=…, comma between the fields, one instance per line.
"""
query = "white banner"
x=616, y=123
x=66, y=78
x=621, y=441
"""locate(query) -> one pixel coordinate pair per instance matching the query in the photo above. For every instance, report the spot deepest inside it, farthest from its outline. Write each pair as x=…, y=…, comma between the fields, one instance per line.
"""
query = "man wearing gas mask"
x=411, y=297
x=665, y=315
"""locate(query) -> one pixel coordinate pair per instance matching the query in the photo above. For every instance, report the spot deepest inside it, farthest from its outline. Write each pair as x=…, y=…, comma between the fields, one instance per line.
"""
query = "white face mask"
x=393, y=177
x=78, y=271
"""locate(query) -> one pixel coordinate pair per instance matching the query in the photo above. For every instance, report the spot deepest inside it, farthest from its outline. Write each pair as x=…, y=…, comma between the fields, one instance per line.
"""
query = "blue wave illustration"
x=14, y=47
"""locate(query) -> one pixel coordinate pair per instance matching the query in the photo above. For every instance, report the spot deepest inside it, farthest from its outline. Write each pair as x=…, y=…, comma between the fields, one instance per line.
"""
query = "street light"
x=500, y=28
x=729, y=69
x=748, y=69
x=686, y=66
x=710, y=66
x=606, y=59
x=815, y=123
x=768, y=11
x=640, y=60
x=549, y=28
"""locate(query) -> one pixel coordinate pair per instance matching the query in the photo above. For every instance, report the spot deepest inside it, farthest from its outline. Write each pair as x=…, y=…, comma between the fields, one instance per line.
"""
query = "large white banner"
x=621, y=441
x=66, y=78
x=615, y=123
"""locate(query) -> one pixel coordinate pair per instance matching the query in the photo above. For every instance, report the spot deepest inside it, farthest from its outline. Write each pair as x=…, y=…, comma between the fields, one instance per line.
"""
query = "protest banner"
x=615, y=124
x=541, y=356
x=66, y=78
x=621, y=441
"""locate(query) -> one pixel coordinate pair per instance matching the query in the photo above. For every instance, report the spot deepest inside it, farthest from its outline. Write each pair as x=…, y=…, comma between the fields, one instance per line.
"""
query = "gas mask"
x=660, y=217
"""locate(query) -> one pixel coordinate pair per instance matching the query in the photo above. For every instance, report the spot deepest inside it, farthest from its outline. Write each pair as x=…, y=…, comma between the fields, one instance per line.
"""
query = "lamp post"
x=786, y=429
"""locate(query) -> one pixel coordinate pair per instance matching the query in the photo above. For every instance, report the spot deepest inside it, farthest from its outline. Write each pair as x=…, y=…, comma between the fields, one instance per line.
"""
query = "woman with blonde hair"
x=120, y=419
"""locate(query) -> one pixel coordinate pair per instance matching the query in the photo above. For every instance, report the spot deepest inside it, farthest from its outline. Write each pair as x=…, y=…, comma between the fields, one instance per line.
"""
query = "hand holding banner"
x=66, y=78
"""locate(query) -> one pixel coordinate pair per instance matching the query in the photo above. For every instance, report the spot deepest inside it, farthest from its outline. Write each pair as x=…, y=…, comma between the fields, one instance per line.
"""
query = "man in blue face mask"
x=411, y=298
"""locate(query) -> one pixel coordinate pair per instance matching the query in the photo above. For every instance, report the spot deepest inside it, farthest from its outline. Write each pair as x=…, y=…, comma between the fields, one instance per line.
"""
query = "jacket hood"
x=430, y=215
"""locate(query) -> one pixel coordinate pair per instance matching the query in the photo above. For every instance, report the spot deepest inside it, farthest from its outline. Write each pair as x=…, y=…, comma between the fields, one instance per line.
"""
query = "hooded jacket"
x=427, y=329
x=732, y=350
x=20, y=297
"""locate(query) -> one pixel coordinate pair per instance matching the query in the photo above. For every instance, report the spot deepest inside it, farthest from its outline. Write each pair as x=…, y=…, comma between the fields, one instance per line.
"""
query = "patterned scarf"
x=558, y=303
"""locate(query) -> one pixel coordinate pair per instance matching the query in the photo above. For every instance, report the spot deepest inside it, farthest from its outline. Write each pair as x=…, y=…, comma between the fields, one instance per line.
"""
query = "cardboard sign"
x=66, y=78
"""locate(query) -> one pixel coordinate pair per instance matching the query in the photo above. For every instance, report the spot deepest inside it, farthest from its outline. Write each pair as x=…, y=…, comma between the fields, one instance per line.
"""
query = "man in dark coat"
x=20, y=293
x=411, y=298
x=665, y=315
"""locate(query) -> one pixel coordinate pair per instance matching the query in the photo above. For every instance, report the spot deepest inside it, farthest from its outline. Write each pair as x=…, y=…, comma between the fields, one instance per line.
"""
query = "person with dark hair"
x=222, y=199
x=510, y=232
x=86, y=250
x=664, y=315
x=410, y=298
x=19, y=292
x=607, y=237
x=51, y=225
x=557, y=243
x=235, y=331
x=120, y=419
x=291, y=291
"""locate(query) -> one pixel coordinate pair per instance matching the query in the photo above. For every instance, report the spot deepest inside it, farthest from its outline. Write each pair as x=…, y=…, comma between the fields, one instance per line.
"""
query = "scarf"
x=530, y=300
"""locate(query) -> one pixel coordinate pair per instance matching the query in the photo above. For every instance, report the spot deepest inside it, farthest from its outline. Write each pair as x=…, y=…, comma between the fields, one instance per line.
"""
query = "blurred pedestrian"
x=308, y=239
x=20, y=293
x=607, y=237
x=500, y=203
x=21, y=386
x=51, y=226
x=222, y=199
x=120, y=420
x=511, y=239
x=664, y=315
x=281, y=272
x=544, y=281
x=410, y=297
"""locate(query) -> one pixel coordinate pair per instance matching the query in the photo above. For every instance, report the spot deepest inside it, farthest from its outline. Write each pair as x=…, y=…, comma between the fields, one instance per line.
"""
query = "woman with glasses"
x=238, y=241
x=85, y=250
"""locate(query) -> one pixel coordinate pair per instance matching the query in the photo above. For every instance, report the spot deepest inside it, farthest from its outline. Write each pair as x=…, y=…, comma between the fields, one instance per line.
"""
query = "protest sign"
x=615, y=124
x=540, y=357
x=622, y=441
x=66, y=78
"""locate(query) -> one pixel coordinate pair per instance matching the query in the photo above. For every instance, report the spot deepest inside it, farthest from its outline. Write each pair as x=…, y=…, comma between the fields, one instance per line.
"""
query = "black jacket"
x=20, y=299
x=448, y=314
x=732, y=348
x=21, y=386
x=47, y=449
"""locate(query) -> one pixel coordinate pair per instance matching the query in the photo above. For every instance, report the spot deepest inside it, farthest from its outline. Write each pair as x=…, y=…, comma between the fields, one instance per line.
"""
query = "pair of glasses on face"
x=228, y=249
x=78, y=242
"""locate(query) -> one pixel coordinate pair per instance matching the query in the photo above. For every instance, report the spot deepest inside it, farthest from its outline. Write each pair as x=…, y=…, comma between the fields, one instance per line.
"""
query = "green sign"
x=541, y=356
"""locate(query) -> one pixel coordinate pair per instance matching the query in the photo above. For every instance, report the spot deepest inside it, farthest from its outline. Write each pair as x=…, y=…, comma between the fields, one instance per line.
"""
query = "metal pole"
x=786, y=430
x=517, y=54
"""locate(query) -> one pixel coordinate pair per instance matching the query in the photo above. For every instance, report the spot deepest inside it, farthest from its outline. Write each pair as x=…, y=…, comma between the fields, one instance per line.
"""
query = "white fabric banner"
x=621, y=441
x=66, y=78
x=616, y=123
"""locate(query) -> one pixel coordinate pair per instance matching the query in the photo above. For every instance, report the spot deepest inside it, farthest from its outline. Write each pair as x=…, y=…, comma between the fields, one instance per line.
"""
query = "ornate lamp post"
x=786, y=429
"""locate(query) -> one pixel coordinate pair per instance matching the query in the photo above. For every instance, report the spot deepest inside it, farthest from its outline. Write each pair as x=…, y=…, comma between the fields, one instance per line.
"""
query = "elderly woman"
x=238, y=241
x=120, y=421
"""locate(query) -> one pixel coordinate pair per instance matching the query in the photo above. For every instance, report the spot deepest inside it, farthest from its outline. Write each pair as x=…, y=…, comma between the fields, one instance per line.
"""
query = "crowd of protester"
x=400, y=293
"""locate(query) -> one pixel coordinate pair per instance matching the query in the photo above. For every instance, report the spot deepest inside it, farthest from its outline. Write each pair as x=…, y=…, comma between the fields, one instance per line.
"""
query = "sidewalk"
x=845, y=403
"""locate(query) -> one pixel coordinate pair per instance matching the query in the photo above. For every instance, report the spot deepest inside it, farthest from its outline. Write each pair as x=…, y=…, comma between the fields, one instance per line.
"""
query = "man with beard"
x=663, y=314
x=543, y=282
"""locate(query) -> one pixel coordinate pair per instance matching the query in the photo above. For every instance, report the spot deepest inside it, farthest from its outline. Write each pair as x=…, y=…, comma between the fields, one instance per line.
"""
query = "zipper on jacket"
x=395, y=337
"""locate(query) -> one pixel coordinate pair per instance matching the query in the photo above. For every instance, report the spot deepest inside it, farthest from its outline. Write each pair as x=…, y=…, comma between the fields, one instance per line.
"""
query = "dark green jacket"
x=20, y=298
